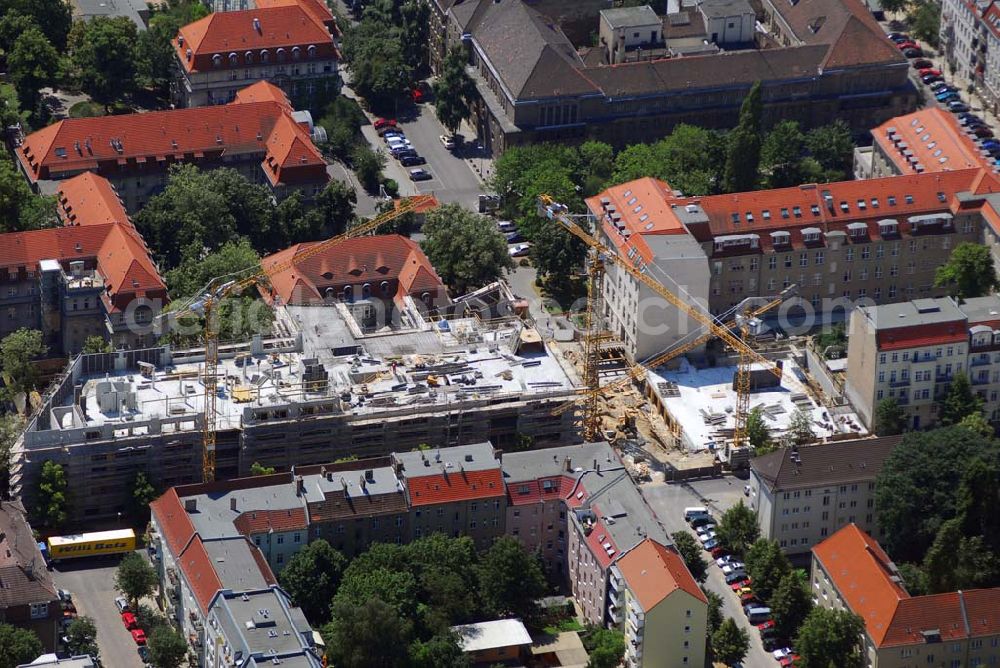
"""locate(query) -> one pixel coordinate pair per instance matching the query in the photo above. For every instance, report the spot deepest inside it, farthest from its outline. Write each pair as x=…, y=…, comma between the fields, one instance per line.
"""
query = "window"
x=772, y=262
x=281, y=539
x=281, y=558
x=296, y=538
x=39, y=610
x=804, y=260
x=819, y=257
x=850, y=254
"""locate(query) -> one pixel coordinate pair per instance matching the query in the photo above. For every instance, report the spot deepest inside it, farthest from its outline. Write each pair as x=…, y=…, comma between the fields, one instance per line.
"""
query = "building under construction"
x=321, y=389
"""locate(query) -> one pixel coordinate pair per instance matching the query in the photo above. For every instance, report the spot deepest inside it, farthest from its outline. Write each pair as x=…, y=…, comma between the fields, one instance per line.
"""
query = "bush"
x=342, y=121
x=86, y=109
x=391, y=187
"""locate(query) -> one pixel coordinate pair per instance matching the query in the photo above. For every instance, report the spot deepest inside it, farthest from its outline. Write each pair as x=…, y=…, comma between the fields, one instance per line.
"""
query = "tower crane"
x=551, y=209
x=205, y=305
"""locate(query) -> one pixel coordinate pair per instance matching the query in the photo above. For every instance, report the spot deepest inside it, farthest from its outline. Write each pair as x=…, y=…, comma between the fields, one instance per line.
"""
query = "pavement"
x=718, y=495
x=91, y=581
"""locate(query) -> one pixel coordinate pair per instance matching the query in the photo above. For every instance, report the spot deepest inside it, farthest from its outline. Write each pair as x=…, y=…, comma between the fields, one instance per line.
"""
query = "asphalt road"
x=91, y=581
x=717, y=494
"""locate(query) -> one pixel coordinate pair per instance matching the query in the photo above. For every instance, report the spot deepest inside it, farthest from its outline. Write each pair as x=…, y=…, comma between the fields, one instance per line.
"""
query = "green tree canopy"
x=556, y=253
x=743, y=155
x=956, y=561
x=18, y=350
x=332, y=211
x=143, y=494
x=368, y=165
x=32, y=64
x=96, y=344
x=365, y=634
x=311, y=578
x=53, y=17
x=800, y=428
x=606, y=647
x=790, y=604
x=51, y=497
x=781, y=155
x=454, y=90
x=730, y=643
x=441, y=651
x=103, y=53
x=135, y=578
x=10, y=107
x=766, y=566
x=925, y=21
x=155, y=56
x=376, y=61
x=167, y=647
x=758, y=433
x=259, y=469
x=466, y=248
x=738, y=529
x=18, y=646
x=714, y=611
x=969, y=271
x=691, y=553
x=960, y=401
x=20, y=208
x=82, y=636
x=833, y=149
x=510, y=580
x=830, y=638
x=890, y=418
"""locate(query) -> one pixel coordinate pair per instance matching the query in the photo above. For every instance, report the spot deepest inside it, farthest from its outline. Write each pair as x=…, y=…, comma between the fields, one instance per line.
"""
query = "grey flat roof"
x=981, y=309
x=214, y=516
x=79, y=661
x=86, y=9
x=535, y=464
x=474, y=457
x=612, y=493
x=383, y=481
x=720, y=9
x=626, y=17
x=916, y=312
x=262, y=623
x=233, y=561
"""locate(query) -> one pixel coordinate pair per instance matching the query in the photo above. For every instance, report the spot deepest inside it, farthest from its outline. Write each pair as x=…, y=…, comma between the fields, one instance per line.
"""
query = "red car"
x=789, y=660
x=929, y=70
x=139, y=636
x=747, y=598
x=764, y=626
x=417, y=95
x=736, y=586
x=384, y=123
x=718, y=552
x=128, y=619
x=908, y=45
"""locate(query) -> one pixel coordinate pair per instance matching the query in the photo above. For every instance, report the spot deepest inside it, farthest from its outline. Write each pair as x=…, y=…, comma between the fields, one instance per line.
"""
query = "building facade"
x=28, y=599
x=851, y=571
x=803, y=495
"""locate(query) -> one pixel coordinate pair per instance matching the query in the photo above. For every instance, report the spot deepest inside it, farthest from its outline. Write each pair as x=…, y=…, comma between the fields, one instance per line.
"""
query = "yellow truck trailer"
x=90, y=544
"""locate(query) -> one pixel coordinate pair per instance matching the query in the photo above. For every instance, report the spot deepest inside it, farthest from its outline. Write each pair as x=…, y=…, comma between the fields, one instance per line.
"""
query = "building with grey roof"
x=259, y=625
x=802, y=495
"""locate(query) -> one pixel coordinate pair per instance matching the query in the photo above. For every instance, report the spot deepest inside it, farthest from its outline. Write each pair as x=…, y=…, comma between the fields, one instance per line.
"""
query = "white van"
x=692, y=512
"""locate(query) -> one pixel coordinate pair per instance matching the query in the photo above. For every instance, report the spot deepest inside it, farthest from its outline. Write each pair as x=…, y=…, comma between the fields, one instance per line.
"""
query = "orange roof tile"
x=261, y=521
x=173, y=520
x=290, y=150
x=914, y=616
x=315, y=8
x=263, y=91
x=915, y=336
x=238, y=38
x=654, y=572
x=200, y=573
x=424, y=203
x=932, y=138
x=860, y=570
x=982, y=608
x=89, y=199
x=447, y=487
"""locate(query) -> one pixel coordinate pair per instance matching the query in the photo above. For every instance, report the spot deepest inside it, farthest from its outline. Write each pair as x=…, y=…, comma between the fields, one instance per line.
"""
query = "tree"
x=454, y=90
x=259, y=469
x=371, y=633
x=975, y=422
x=691, y=553
x=135, y=578
x=790, y=604
x=10, y=107
x=167, y=647
x=800, y=431
x=767, y=565
x=956, y=561
x=155, y=54
x=557, y=254
x=730, y=643
x=53, y=17
x=18, y=646
x=758, y=433
x=596, y=162
x=82, y=636
x=743, y=156
x=781, y=154
x=466, y=248
x=368, y=166
x=830, y=638
x=920, y=486
x=311, y=578
x=103, y=52
x=714, y=611
x=20, y=208
x=510, y=579
x=914, y=579
x=51, y=496
x=738, y=529
x=333, y=209
x=32, y=64
x=960, y=401
x=890, y=418
x=441, y=651
x=96, y=344
x=377, y=64
x=143, y=494
x=833, y=148
x=925, y=21
x=978, y=499
x=606, y=647
x=969, y=271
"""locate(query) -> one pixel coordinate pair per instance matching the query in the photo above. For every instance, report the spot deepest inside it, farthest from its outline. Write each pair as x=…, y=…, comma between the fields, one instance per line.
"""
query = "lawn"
x=86, y=109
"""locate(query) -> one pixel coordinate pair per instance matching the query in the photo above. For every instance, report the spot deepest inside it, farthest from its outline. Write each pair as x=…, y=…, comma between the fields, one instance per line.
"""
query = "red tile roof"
x=562, y=487
x=447, y=487
x=596, y=541
x=982, y=609
x=263, y=91
x=917, y=336
x=423, y=203
x=932, y=138
x=262, y=521
x=291, y=154
x=374, y=260
x=239, y=39
x=89, y=199
x=315, y=8
x=200, y=573
x=173, y=520
x=913, y=616
x=654, y=572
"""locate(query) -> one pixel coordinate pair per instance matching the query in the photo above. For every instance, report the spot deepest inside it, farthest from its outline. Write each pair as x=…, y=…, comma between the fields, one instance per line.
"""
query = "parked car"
x=128, y=619
x=772, y=642
x=957, y=106
x=898, y=36
x=506, y=226
x=723, y=560
x=907, y=44
x=913, y=53
x=64, y=595
x=399, y=142
x=712, y=544
x=765, y=626
x=417, y=96
x=989, y=143
x=717, y=552
x=981, y=131
x=921, y=63
x=519, y=250
x=930, y=78
x=411, y=160
x=122, y=604
x=788, y=661
x=702, y=521
x=707, y=536
x=946, y=96
x=403, y=152
x=741, y=590
x=929, y=70
x=779, y=654
x=942, y=87
x=747, y=598
x=733, y=567
x=705, y=528
x=514, y=237
x=448, y=141
x=420, y=174
x=139, y=636
x=384, y=122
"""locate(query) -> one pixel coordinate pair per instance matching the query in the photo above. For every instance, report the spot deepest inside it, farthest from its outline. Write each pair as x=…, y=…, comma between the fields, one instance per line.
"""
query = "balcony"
x=637, y=622
x=904, y=382
x=615, y=614
x=981, y=380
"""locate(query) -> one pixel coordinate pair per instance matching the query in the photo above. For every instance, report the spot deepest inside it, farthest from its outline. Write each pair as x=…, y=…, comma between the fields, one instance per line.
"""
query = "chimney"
x=597, y=466
x=568, y=463
x=191, y=505
x=232, y=504
x=370, y=475
x=300, y=486
x=363, y=483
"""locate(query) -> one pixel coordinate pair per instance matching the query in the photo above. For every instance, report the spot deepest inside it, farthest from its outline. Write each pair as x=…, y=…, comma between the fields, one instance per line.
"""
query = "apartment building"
x=911, y=352
x=28, y=598
x=657, y=593
x=258, y=134
x=287, y=45
x=879, y=240
x=851, y=571
x=92, y=277
x=803, y=495
x=833, y=61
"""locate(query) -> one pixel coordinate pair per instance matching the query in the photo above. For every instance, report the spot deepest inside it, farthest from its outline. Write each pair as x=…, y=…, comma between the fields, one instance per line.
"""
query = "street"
x=717, y=494
x=91, y=581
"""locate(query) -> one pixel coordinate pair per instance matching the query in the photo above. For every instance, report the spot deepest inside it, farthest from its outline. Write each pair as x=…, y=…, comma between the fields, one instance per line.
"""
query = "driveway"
x=91, y=581
x=717, y=494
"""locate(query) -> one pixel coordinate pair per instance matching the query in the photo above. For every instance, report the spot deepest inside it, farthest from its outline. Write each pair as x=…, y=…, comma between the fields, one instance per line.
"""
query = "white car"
x=705, y=537
x=722, y=561
x=448, y=141
x=122, y=604
x=733, y=567
x=519, y=250
x=705, y=528
x=780, y=654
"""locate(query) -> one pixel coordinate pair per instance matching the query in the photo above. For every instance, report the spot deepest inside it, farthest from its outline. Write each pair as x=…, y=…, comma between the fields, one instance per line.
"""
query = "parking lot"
x=91, y=581
x=718, y=495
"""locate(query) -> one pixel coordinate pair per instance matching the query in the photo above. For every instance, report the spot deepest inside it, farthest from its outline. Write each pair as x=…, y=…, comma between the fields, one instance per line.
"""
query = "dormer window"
x=311, y=51
x=766, y=214
x=781, y=238
x=265, y=56
x=281, y=55
x=296, y=53
x=815, y=209
x=888, y=227
x=862, y=204
x=736, y=219
x=874, y=202
x=248, y=56
x=749, y=218
x=892, y=200
x=844, y=207
x=233, y=59
x=810, y=234
x=784, y=212
x=217, y=59
x=857, y=230
x=908, y=198
x=797, y=211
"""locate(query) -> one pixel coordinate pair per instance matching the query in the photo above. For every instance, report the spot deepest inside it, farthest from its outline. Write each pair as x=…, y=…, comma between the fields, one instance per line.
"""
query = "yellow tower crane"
x=747, y=356
x=205, y=305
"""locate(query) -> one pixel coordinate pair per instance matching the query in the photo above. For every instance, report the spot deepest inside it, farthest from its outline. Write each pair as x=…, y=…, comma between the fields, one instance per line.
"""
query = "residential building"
x=628, y=29
x=879, y=240
x=502, y=641
x=286, y=45
x=851, y=571
x=665, y=611
x=258, y=134
x=93, y=277
x=912, y=351
x=217, y=586
x=28, y=597
x=963, y=37
x=829, y=59
x=803, y=495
